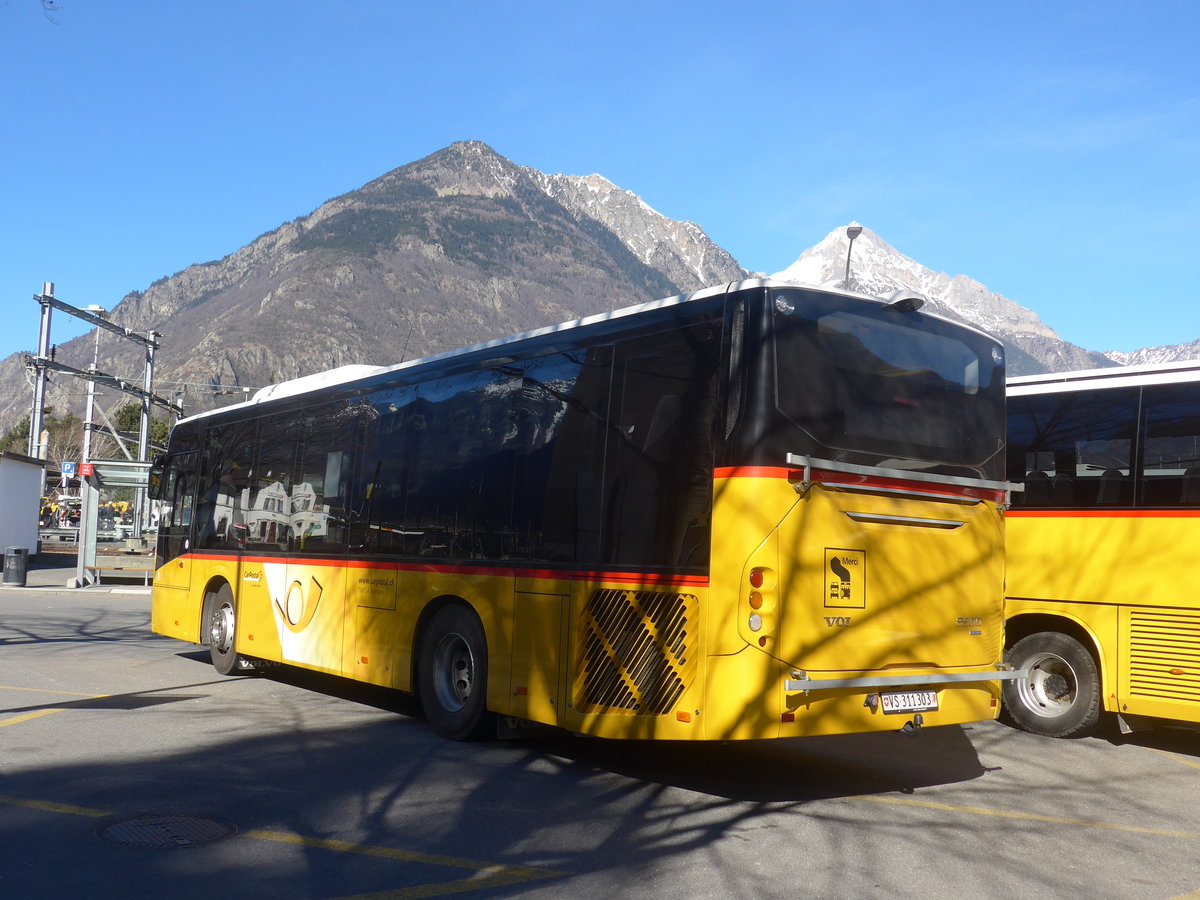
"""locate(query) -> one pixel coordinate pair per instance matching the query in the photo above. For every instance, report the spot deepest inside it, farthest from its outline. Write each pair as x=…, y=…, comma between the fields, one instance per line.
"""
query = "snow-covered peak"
x=877, y=268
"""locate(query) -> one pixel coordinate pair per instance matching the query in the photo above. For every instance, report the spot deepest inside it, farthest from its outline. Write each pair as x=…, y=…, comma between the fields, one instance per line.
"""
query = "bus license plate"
x=897, y=702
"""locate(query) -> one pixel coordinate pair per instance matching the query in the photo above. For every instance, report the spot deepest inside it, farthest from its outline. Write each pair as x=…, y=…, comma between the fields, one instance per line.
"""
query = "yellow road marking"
x=446, y=888
x=454, y=862
x=46, y=806
x=37, y=714
x=485, y=875
x=9, y=687
x=1176, y=758
x=1031, y=817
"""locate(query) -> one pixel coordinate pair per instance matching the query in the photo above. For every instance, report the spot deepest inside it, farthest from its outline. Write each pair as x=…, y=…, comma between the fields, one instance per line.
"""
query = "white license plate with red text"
x=897, y=702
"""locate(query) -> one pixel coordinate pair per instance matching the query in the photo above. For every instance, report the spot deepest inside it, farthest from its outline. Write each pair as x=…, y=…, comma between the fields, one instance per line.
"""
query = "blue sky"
x=1048, y=150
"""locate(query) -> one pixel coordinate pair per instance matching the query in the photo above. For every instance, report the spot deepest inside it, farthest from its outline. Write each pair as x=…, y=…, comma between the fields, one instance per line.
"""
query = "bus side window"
x=318, y=507
x=176, y=499
x=561, y=415
x=224, y=486
x=1077, y=448
x=1170, y=446
x=658, y=472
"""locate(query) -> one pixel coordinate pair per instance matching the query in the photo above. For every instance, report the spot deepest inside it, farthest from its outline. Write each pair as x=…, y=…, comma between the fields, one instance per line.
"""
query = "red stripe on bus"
x=757, y=472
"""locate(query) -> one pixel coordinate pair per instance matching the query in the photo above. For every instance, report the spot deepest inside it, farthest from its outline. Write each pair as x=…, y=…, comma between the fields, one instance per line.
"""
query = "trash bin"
x=16, y=564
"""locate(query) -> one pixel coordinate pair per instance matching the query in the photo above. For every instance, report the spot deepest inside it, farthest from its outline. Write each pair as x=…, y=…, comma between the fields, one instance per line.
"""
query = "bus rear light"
x=683, y=716
x=788, y=717
x=756, y=578
x=755, y=622
x=756, y=600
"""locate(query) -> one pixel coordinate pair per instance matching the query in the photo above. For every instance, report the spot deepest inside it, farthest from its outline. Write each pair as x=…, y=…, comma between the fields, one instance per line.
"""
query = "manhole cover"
x=165, y=832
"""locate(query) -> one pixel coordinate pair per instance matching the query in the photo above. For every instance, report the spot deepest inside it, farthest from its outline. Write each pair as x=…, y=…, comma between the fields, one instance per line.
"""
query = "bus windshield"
x=874, y=385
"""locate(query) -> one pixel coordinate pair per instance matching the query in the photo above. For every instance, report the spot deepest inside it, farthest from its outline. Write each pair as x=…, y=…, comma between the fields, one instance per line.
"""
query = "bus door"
x=176, y=502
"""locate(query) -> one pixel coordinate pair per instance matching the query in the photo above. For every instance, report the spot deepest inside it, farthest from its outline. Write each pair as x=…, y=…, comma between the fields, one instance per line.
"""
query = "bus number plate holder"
x=896, y=703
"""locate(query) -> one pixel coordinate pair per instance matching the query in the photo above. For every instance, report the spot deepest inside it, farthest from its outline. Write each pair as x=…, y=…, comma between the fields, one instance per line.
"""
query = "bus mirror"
x=157, y=467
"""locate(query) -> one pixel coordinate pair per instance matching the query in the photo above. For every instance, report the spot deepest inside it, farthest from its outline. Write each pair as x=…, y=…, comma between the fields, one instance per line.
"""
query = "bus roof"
x=351, y=373
x=1097, y=379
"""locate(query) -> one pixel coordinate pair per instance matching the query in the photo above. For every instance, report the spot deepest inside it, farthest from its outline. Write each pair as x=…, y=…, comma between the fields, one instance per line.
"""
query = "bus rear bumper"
x=804, y=683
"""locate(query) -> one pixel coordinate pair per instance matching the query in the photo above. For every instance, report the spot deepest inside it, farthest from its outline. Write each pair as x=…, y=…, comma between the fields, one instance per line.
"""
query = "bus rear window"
x=882, y=383
x=889, y=351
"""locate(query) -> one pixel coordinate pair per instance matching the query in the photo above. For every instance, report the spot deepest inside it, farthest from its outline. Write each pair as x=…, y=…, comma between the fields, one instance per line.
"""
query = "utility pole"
x=39, y=386
x=44, y=362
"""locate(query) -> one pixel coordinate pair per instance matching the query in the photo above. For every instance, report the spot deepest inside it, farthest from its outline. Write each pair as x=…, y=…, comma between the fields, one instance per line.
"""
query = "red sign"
x=87, y=470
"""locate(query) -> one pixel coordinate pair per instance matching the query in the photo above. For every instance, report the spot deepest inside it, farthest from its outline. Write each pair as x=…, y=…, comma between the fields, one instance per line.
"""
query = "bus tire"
x=452, y=674
x=1060, y=697
x=222, y=634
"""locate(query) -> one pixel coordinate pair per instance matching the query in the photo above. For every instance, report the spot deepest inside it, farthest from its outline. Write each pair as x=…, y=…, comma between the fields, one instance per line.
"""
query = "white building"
x=20, y=500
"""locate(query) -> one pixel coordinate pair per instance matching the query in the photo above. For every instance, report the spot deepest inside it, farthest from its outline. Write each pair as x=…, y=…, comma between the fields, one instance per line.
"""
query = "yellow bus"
x=1103, y=588
x=755, y=511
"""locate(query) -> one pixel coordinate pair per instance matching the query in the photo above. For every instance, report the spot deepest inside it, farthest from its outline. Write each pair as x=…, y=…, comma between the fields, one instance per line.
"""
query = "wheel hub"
x=221, y=629
x=454, y=668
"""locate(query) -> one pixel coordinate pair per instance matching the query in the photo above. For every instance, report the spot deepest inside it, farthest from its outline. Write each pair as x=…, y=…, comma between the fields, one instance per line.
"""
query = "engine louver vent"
x=1164, y=655
x=635, y=653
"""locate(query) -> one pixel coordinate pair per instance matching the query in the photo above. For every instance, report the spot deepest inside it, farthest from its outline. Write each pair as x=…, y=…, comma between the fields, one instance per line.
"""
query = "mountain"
x=1148, y=355
x=452, y=249
x=878, y=268
x=459, y=247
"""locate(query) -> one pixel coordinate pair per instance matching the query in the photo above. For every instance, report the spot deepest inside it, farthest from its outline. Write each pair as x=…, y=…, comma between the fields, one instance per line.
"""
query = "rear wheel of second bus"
x=1060, y=695
x=453, y=674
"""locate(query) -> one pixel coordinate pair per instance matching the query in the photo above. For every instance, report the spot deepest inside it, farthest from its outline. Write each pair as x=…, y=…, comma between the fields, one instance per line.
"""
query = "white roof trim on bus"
x=352, y=373
x=1096, y=379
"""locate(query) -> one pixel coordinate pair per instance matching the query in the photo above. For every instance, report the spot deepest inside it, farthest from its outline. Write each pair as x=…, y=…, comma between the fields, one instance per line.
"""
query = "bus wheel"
x=222, y=630
x=1060, y=697
x=452, y=676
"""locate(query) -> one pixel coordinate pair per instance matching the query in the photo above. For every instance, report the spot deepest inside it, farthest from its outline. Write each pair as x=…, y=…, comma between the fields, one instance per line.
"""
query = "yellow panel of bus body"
x=746, y=699
x=847, y=592
x=874, y=581
x=175, y=610
x=299, y=609
x=747, y=510
x=372, y=647
x=535, y=675
x=1105, y=557
x=1129, y=580
x=632, y=658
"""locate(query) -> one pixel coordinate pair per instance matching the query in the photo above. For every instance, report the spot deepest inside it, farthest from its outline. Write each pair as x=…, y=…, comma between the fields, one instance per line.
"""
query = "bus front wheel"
x=452, y=679
x=1060, y=694
x=222, y=633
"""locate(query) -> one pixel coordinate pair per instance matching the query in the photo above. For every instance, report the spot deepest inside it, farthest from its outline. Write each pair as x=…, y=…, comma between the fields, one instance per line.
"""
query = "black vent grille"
x=635, y=652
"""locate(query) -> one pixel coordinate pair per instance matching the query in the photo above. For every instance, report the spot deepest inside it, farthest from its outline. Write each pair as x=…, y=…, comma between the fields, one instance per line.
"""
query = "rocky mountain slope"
x=456, y=248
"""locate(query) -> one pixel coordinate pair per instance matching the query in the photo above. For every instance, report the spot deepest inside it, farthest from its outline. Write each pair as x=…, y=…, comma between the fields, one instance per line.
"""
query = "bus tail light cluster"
x=760, y=598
